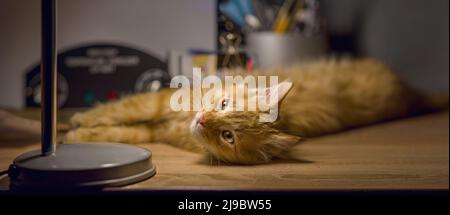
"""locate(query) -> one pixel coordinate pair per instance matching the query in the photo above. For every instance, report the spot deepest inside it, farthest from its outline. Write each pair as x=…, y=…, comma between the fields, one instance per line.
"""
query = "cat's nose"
x=201, y=120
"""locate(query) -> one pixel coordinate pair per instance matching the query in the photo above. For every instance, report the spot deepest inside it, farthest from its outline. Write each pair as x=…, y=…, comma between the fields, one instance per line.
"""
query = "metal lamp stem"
x=48, y=77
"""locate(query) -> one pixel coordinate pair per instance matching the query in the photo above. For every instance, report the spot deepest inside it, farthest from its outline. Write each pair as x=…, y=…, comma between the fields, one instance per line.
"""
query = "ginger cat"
x=320, y=97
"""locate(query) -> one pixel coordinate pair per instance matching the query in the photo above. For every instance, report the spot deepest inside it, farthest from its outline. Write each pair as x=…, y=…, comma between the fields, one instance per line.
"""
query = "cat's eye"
x=227, y=136
x=224, y=104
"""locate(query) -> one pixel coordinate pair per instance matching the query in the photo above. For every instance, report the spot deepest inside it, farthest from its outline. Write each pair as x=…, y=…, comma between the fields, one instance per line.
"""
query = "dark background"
x=409, y=35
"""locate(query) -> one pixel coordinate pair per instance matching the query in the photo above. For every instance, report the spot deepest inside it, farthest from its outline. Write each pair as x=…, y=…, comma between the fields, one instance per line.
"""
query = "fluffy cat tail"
x=436, y=102
x=430, y=103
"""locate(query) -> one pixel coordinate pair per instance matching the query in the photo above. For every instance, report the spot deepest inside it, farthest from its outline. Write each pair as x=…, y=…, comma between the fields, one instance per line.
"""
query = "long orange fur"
x=327, y=96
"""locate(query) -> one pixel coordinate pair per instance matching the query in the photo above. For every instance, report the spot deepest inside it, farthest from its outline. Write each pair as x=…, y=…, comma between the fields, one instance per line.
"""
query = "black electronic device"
x=99, y=73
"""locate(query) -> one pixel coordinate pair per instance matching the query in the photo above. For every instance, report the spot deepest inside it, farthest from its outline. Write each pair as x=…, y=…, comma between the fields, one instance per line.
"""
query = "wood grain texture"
x=408, y=154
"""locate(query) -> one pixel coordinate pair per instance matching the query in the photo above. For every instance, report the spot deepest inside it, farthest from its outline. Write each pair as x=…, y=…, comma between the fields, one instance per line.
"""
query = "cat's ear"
x=275, y=94
x=277, y=144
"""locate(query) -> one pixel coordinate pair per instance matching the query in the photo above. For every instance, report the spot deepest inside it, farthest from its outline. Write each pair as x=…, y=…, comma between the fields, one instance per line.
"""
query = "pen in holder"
x=269, y=49
x=231, y=43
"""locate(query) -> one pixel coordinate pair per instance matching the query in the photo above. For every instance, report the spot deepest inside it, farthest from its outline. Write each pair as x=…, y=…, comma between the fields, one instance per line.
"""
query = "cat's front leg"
x=175, y=134
x=121, y=134
x=137, y=108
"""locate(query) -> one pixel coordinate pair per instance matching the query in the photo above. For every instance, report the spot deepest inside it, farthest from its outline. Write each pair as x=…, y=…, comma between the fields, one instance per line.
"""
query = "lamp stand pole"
x=48, y=77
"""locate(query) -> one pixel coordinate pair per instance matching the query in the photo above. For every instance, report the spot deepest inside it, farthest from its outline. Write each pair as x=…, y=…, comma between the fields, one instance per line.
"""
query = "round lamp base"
x=82, y=165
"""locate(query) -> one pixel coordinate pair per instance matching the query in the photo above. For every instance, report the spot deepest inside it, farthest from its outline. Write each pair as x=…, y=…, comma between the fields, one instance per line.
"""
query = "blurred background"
x=110, y=48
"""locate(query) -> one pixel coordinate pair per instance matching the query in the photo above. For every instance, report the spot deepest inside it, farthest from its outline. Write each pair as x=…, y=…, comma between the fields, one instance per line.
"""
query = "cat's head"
x=240, y=136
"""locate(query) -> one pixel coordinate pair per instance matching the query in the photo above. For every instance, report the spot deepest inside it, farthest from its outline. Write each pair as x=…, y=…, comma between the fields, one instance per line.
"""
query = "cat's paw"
x=85, y=135
x=76, y=135
x=86, y=120
x=76, y=120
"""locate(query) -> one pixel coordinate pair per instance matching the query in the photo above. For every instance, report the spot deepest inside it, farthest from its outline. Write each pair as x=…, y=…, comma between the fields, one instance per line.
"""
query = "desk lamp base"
x=83, y=165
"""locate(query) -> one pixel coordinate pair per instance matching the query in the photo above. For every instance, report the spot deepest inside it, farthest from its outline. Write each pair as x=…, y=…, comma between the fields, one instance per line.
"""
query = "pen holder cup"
x=269, y=50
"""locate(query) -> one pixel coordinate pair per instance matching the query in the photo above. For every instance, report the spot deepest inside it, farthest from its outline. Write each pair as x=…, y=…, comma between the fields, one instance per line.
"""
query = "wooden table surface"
x=407, y=154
